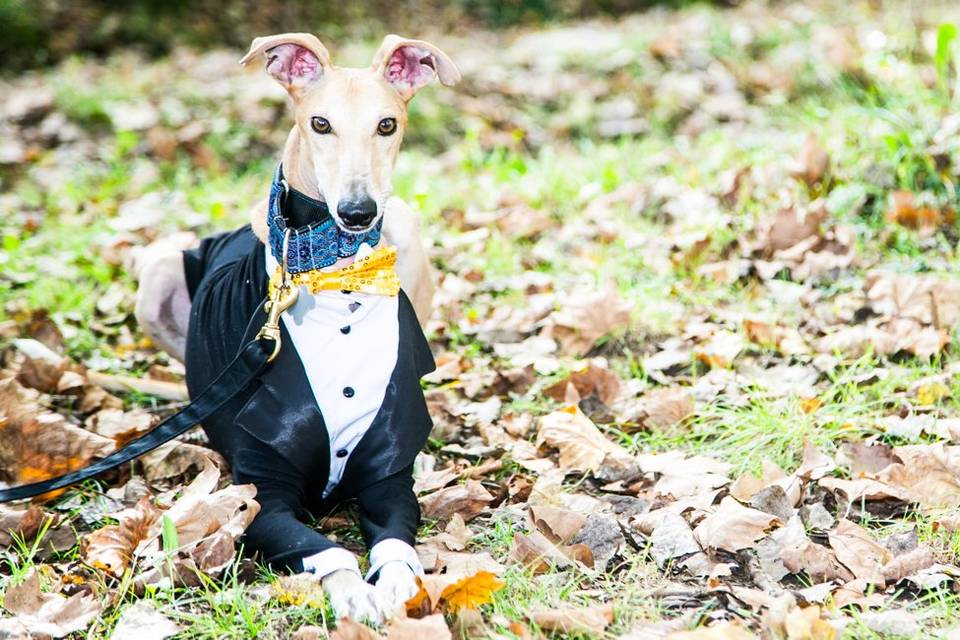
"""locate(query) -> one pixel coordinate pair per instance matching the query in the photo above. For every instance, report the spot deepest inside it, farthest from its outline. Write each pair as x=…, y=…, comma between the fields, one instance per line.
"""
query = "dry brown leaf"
x=815, y=464
x=587, y=316
x=908, y=564
x=582, y=447
x=733, y=526
x=593, y=380
x=864, y=488
x=347, y=629
x=177, y=460
x=721, y=631
x=906, y=211
x=672, y=538
x=48, y=614
x=558, y=525
x=571, y=620
x=929, y=474
x=433, y=480
x=428, y=628
x=536, y=553
x=791, y=622
x=788, y=227
x=112, y=548
x=812, y=162
x=310, y=632
x=467, y=500
x=37, y=444
x=121, y=426
x=858, y=552
x=460, y=563
x=455, y=535
x=665, y=407
x=720, y=350
x=142, y=621
x=20, y=523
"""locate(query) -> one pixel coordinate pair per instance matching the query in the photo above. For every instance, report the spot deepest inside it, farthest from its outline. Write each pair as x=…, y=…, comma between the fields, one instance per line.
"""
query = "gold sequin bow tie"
x=374, y=273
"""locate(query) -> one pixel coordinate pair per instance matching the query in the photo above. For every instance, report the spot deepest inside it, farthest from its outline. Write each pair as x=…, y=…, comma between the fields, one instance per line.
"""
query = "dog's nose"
x=358, y=212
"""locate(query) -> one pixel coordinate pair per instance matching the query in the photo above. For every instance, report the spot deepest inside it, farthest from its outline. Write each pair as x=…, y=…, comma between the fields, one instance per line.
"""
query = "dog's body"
x=349, y=124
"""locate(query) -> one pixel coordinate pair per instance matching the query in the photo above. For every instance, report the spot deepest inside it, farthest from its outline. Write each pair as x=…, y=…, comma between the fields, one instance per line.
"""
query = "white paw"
x=352, y=597
x=395, y=585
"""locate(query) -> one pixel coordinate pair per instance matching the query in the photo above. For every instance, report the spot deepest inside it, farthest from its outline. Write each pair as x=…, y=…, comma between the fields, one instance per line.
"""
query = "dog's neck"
x=298, y=166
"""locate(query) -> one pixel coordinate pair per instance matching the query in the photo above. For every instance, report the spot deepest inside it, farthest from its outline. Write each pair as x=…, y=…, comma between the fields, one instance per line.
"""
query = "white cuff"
x=393, y=550
x=326, y=562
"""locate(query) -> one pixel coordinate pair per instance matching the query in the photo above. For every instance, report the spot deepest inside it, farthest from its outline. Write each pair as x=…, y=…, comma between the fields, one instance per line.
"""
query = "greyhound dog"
x=338, y=161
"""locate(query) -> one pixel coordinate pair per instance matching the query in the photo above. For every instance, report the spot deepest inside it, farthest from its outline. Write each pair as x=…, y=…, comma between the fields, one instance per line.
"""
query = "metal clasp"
x=281, y=298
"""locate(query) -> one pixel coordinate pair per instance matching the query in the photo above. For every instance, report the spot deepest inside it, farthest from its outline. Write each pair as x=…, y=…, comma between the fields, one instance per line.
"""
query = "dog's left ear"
x=293, y=59
x=409, y=65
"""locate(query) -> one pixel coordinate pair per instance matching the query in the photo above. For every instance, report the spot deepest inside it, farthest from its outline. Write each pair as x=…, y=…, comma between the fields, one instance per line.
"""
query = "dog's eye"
x=387, y=126
x=320, y=125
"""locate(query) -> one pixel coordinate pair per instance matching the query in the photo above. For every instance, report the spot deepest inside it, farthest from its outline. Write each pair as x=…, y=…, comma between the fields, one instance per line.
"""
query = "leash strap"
x=245, y=368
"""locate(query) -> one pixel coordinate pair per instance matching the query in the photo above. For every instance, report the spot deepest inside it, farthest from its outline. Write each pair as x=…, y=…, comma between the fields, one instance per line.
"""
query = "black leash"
x=251, y=361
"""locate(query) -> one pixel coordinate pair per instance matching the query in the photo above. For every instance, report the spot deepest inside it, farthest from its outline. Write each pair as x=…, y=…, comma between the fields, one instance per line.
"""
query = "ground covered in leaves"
x=695, y=333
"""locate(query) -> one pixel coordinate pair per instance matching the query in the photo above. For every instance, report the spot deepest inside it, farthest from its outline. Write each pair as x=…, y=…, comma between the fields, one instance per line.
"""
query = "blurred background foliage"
x=40, y=32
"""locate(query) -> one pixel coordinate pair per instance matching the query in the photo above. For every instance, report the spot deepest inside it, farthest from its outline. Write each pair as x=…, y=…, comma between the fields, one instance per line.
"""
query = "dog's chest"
x=348, y=345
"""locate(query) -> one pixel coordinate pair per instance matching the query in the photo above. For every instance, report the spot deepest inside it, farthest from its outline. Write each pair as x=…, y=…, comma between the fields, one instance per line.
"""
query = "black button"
x=345, y=291
x=345, y=330
x=342, y=453
x=348, y=392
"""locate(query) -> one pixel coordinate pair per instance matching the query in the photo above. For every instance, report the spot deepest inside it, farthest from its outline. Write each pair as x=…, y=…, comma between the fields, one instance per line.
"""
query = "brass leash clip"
x=283, y=296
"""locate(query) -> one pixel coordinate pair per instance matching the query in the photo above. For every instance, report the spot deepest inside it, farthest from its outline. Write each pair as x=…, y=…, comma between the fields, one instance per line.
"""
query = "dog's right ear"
x=293, y=59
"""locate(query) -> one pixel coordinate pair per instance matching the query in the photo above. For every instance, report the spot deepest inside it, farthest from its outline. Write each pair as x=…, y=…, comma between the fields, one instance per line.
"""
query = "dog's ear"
x=293, y=59
x=408, y=65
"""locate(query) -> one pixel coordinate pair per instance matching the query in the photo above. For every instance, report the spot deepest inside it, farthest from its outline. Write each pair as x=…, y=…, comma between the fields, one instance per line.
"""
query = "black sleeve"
x=389, y=509
x=278, y=533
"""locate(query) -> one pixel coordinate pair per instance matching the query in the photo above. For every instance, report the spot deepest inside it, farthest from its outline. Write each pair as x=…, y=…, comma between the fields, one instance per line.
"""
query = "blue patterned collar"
x=316, y=245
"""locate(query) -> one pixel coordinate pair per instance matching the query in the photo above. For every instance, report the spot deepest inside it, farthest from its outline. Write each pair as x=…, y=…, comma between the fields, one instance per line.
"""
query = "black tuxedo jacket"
x=274, y=435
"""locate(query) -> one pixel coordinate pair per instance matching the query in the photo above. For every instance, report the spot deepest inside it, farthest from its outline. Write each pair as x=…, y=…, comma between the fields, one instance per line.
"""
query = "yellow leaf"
x=471, y=592
x=932, y=393
x=809, y=405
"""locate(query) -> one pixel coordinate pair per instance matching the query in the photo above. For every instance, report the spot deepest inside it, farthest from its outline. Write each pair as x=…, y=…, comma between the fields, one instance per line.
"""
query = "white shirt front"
x=347, y=342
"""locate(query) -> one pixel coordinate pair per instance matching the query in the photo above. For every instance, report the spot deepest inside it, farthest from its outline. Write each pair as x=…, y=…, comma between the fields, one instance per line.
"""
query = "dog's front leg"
x=353, y=597
x=396, y=584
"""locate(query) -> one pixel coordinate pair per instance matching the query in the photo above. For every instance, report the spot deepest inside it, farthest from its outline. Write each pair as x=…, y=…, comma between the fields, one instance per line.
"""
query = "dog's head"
x=351, y=121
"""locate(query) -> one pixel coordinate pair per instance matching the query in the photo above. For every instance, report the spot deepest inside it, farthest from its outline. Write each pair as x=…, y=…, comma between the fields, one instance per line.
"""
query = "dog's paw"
x=352, y=597
x=396, y=584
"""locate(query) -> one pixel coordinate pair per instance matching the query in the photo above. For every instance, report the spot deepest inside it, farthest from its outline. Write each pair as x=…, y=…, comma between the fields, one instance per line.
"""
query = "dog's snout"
x=357, y=212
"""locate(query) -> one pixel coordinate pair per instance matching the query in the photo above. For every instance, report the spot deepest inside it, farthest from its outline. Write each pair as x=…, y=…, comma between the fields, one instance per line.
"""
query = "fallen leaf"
x=733, y=527
x=587, y=316
x=558, y=525
x=858, y=552
x=347, y=629
x=467, y=500
x=892, y=622
x=111, y=548
x=582, y=447
x=720, y=350
x=141, y=621
x=906, y=211
x=571, y=620
x=428, y=628
x=593, y=380
x=46, y=613
x=671, y=539
x=721, y=631
x=471, y=592
x=812, y=163
x=19, y=523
